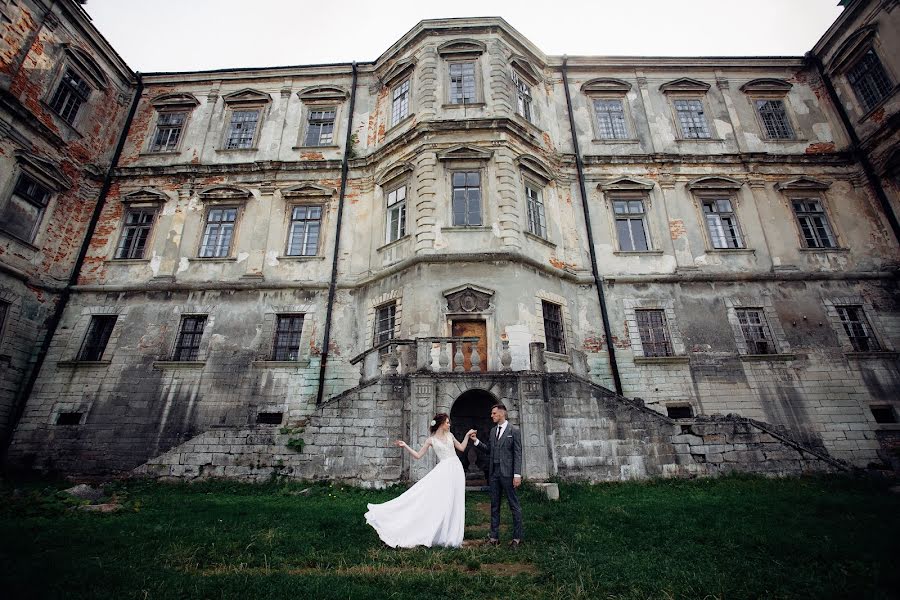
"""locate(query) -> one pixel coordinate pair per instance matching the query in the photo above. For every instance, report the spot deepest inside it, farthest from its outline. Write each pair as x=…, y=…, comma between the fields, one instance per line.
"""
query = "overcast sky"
x=186, y=35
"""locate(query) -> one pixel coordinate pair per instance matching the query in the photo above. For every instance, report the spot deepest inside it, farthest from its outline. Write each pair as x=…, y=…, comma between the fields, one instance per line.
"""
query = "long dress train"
x=430, y=513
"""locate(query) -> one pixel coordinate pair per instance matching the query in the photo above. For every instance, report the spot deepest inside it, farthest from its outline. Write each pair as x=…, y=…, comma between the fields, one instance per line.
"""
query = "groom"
x=504, y=449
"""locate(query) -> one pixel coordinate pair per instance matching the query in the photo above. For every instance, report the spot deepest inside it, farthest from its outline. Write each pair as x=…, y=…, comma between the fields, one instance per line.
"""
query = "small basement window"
x=269, y=418
x=883, y=414
x=682, y=411
x=69, y=418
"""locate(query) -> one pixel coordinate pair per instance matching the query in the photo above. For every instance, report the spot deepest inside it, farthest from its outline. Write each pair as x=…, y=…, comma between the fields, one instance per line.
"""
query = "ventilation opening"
x=883, y=414
x=69, y=418
x=269, y=418
x=680, y=411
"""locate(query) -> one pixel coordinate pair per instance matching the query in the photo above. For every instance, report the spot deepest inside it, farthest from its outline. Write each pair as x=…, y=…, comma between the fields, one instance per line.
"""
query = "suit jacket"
x=508, y=449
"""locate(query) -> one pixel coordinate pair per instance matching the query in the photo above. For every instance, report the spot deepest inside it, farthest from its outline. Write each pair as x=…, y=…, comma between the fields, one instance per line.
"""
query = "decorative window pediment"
x=324, y=93
x=307, y=190
x=179, y=100
x=86, y=64
x=714, y=183
x=44, y=169
x=766, y=85
x=605, y=85
x=468, y=299
x=393, y=172
x=625, y=184
x=526, y=69
x=850, y=49
x=247, y=96
x=535, y=167
x=144, y=196
x=803, y=183
x=463, y=152
x=684, y=84
x=397, y=71
x=461, y=47
x=225, y=192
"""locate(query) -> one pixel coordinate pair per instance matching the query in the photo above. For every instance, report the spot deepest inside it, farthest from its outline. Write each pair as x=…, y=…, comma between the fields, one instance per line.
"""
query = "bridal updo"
x=438, y=420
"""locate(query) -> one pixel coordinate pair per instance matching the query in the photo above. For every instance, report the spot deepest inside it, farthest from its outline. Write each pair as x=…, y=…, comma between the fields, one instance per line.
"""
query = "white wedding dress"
x=430, y=513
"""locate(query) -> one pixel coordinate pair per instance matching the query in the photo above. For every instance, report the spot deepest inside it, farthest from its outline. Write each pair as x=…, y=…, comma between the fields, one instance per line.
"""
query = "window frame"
x=389, y=333
x=807, y=197
x=622, y=98
x=238, y=208
x=105, y=335
x=669, y=345
x=394, y=118
x=703, y=198
x=520, y=82
x=389, y=209
x=752, y=343
x=259, y=108
x=169, y=110
x=481, y=206
x=299, y=337
x=150, y=227
x=874, y=344
x=891, y=85
x=6, y=307
x=476, y=74
x=43, y=209
x=548, y=323
x=615, y=198
x=291, y=207
x=195, y=351
x=308, y=111
x=67, y=65
x=531, y=184
x=687, y=97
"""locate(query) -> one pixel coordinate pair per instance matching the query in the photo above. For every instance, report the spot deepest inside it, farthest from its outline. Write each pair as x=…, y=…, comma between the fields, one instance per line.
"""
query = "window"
x=773, y=116
x=813, y=223
x=857, y=328
x=396, y=214
x=692, y=119
x=883, y=414
x=218, y=232
x=320, y=128
x=553, y=327
x=187, y=346
x=679, y=411
x=287, y=337
x=756, y=331
x=242, y=129
x=537, y=224
x=99, y=330
x=400, y=102
x=138, y=223
x=303, y=239
x=25, y=207
x=69, y=418
x=631, y=227
x=169, y=125
x=869, y=80
x=462, y=83
x=71, y=93
x=523, y=97
x=611, y=124
x=466, y=198
x=654, y=333
x=385, y=321
x=4, y=310
x=722, y=224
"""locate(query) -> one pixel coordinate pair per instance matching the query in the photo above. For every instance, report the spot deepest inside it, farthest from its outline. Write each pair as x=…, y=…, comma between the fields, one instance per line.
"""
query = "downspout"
x=598, y=282
x=332, y=287
x=66, y=292
x=855, y=149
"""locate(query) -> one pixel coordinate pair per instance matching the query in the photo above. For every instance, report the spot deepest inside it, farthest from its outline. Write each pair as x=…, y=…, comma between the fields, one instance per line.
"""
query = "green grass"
x=735, y=537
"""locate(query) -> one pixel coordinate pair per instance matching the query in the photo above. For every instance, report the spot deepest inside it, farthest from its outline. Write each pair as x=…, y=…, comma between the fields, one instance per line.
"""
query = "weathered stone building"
x=333, y=253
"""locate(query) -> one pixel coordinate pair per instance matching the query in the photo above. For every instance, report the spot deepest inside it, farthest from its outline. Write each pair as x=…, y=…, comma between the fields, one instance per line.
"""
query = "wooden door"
x=473, y=328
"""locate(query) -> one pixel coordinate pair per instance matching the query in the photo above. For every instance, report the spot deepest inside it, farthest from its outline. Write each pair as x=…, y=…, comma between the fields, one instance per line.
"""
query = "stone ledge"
x=767, y=357
x=179, y=364
x=660, y=360
x=82, y=364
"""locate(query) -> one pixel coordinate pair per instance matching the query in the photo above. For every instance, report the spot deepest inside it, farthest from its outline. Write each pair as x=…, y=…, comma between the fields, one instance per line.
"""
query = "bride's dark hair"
x=438, y=421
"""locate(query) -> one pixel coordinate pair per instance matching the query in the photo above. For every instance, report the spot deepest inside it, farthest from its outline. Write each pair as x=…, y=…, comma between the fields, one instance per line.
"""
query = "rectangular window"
x=169, y=125
x=396, y=214
x=756, y=331
x=869, y=80
x=722, y=224
x=692, y=118
x=813, y=223
x=857, y=327
x=320, y=127
x=884, y=414
x=23, y=211
x=4, y=310
x=553, y=327
x=523, y=97
x=631, y=226
x=99, y=330
x=611, y=123
x=466, y=198
x=462, y=83
x=306, y=222
x=537, y=224
x=385, y=321
x=242, y=129
x=774, y=118
x=71, y=93
x=679, y=411
x=654, y=333
x=287, y=337
x=400, y=102
x=218, y=232
x=187, y=346
x=138, y=223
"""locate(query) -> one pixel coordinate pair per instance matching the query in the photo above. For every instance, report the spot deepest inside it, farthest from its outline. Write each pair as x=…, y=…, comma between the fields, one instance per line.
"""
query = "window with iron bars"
x=756, y=331
x=396, y=214
x=692, y=118
x=218, y=232
x=242, y=129
x=320, y=127
x=187, y=345
x=97, y=337
x=71, y=93
x=813, y=223
x=287, y=337
x=462, y=83
x=385, y=321
x=722, y=224
x=554, y=333
x=523, y=97
x=24, y=209
x=773, y=115
x=857, y=328
x=400, y=102
x=138, y=224
x=169, y=125
x=303, y=238
x=631, y=225
x=537, y=224
x=610, y=114
x=869, y=80
x=651, y=324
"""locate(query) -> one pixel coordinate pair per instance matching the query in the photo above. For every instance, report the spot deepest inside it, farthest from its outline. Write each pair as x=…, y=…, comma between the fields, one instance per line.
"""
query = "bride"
x=432, y=512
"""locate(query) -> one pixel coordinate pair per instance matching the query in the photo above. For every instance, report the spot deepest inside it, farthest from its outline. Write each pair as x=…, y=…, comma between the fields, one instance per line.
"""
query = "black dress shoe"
x=515, y=543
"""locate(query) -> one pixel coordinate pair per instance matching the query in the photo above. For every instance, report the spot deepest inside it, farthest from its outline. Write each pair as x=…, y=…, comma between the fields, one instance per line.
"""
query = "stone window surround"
x=689, y=89
x=468, y=159
x=809, y=188
x=48, y=175
x=709, y=187
x=849, y=53
x=305, y=194
x=142, y=198
x=244, y=99
x=80, y=329
x=625, y=188
x=525, y=71
x=322, y=97
x=538, y=332
x=534, y=173
x=771, y=89
x=462, y=50
x=265, y=350
x=222, y=196
x=767, y=306
x=871, y=316
x=195, y=310
x=630, y=305
x=403, y=70
x=181, y=102
x=82, y=406
x=394, y=296
x=77, y=60
x=390, y=179
x=607, y=88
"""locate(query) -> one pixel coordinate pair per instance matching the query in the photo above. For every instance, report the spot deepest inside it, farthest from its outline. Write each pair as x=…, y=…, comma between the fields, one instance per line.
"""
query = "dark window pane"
x=287, y=337
x=654, y=332
x=553, y=327
x=99, y=330
x=187, y=345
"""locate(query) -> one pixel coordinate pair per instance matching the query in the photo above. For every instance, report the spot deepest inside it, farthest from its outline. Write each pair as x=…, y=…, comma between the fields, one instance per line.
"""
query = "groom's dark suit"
x=505, y=460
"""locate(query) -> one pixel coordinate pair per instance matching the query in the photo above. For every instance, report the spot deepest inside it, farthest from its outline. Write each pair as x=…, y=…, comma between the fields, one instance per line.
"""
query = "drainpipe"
x=66, y=292
x=332, y=287
x=855, y=148
x=598, y=282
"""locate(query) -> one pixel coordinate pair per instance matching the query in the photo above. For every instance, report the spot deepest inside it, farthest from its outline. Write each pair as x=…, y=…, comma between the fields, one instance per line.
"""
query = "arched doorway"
x=472, y=410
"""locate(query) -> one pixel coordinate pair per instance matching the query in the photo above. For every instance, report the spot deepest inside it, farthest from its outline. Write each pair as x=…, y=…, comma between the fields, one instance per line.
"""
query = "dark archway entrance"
x=472, y=410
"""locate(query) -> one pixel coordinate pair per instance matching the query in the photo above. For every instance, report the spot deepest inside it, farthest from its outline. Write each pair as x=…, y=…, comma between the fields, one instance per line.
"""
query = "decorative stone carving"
x=468, y=300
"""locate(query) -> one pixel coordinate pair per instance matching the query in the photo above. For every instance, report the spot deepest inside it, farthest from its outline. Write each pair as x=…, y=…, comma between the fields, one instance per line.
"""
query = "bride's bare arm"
x=461, y=447
x=416, y=455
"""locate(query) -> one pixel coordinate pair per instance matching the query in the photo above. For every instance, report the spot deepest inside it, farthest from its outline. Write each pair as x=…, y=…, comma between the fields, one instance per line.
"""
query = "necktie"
x=499, y=432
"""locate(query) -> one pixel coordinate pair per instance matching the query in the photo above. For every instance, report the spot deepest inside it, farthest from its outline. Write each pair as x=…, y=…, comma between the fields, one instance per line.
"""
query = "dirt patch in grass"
x=496, y=569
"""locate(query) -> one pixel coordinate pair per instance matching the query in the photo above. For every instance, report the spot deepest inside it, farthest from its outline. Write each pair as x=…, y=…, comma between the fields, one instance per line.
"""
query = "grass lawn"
x=735, y=537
